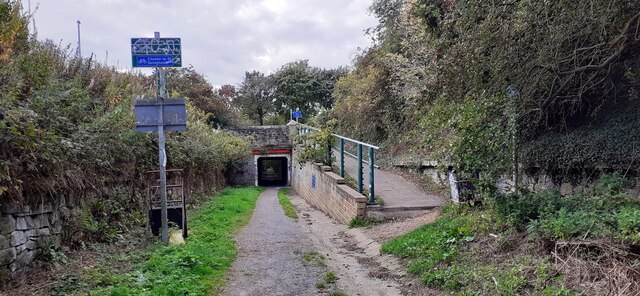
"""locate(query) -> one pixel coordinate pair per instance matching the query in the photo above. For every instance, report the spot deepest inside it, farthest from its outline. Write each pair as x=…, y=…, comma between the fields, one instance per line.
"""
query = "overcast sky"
x=221, y=38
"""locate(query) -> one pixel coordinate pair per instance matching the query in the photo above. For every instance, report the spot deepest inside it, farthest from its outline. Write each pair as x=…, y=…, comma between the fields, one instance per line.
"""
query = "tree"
x=255, y=96
x=310, y=89
x=199, y=92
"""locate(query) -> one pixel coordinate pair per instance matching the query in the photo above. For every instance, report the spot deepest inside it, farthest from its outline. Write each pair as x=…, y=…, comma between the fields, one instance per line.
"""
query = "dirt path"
x=271, y=255
x=280, y=256
x=354, y=254
x=395, y=190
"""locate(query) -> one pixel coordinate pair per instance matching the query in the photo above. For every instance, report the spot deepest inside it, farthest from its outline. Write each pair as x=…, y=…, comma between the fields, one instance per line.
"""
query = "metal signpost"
x=296, y=114
x=162, y=113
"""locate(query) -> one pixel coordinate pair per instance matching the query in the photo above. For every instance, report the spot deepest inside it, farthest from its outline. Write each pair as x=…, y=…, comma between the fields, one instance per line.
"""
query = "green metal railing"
x=342, y=140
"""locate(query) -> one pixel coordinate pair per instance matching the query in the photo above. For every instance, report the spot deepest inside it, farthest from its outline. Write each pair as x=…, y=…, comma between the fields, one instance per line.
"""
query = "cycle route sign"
x=156, y=52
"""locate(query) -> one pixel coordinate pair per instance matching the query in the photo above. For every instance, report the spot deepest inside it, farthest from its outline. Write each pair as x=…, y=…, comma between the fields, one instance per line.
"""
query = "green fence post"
x=330, y=163
x=371, y=177
x=360, y=168
x=341, y=157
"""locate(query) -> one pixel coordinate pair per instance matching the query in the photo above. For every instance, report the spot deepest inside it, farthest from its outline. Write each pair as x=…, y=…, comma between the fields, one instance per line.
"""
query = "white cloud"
x=221, y=38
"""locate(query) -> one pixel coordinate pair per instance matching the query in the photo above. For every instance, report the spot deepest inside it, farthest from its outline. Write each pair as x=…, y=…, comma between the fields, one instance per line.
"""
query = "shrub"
x=628, y=219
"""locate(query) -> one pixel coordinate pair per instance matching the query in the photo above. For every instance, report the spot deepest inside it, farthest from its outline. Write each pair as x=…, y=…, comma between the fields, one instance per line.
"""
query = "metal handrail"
x=341, y=137
x=371, y=153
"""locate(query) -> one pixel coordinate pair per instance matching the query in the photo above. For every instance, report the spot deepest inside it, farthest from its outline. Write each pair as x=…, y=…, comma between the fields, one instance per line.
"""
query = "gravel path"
x=271, y=251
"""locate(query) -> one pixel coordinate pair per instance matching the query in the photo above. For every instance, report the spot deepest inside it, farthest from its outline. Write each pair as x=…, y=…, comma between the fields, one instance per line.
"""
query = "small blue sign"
x=313, y=181
x=297, y=114
x=155, y=61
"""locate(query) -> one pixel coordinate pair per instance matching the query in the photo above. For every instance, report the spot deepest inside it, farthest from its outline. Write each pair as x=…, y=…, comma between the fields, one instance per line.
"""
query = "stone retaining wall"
x=327, y=191
x=24, y=229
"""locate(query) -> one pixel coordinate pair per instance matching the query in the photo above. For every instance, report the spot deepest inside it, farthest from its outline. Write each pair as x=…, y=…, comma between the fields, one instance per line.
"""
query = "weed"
x=283, y=199
x=338, y=293
x=330, y=278
x=358, y=222
x=315, y=257
x=321, y=285
x=628, y=220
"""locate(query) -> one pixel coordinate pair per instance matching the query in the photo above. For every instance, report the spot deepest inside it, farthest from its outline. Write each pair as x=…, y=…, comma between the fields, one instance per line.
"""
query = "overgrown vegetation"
x=67, y=129
x=358, y=222
x=195, y=268
x=283, y=199
x=483, y=86
x=315, y=146
x=536, y=243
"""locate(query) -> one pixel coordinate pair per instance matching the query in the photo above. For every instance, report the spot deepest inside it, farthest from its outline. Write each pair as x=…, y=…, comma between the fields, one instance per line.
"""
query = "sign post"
x=296, y=114
x=171, y=113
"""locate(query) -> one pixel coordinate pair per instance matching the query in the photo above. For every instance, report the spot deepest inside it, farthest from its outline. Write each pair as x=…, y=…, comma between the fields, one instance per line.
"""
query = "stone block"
x=566, y=188
x=30, y=245
x=18, y=238
x=335, y=178
x=42, y=208
x=5, y=242
x=9, y=207
x=25, y=257
x=56, y=228
x=21, y=223
x=7, y=256
x=31, y=233
x=7, y=224
x=45, y=231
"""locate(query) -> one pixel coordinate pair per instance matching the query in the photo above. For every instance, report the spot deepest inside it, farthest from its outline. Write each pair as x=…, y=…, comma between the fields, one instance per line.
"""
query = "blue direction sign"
x=156, y=52
x=297, y=114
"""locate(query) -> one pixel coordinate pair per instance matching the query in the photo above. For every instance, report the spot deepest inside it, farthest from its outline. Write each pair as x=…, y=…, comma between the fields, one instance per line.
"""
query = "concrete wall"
x=24, y=229
x=328, y=192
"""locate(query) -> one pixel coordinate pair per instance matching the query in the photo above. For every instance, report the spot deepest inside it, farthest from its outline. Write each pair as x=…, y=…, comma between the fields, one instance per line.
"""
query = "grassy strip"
x=199, y=266
x=283, y=199
x=454, y=254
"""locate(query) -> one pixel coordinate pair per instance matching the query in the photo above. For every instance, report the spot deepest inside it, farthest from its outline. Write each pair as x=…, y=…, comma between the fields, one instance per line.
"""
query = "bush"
x=628, y=219
x=610, y=212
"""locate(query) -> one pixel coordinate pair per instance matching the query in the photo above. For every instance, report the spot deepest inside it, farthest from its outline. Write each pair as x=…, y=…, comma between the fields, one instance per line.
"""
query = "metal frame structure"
x=173, y=200
x=305, y=129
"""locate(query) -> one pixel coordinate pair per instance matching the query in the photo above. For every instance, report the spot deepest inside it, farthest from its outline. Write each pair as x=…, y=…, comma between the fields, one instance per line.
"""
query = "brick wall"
x=327, y=191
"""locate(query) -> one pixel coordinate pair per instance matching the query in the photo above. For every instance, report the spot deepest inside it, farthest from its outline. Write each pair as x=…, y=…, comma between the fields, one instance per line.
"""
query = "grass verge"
x=283, y=199
x=531, y=244
x=196, y=268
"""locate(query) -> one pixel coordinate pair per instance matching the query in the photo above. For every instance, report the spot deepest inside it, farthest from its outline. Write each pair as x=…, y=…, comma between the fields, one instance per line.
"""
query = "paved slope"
x=395, y=190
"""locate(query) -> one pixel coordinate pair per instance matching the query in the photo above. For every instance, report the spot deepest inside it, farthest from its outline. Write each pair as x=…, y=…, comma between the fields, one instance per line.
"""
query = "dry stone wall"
x=25, y=229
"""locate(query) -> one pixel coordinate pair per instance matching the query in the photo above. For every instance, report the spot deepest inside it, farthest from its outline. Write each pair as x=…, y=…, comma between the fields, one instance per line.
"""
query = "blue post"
x=359, y=168
x=341, y=157
x=371, y=179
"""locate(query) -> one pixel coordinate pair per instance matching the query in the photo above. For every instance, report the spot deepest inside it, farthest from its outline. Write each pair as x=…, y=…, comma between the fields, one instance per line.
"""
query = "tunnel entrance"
x=272, y=171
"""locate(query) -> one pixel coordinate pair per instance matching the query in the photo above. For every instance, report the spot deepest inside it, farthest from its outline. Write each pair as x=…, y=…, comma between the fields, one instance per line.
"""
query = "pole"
x=79, y=47
x=371, y=177
x=162, y=93
x=359, y=168
x=341, y=157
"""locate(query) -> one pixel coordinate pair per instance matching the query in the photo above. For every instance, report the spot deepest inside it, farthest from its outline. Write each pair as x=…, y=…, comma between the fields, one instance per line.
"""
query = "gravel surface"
x=271, y=251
